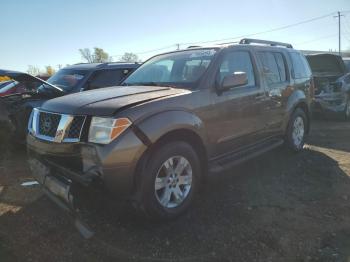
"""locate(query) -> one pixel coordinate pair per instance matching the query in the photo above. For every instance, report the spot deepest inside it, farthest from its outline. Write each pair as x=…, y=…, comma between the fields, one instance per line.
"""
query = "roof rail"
x=193, y=46
x=247, y=41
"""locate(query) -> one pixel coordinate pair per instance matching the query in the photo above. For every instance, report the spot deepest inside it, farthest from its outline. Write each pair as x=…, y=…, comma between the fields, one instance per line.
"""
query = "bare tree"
x=97, y=56
x=87, y=55
x=130, y=57
x=33, y=70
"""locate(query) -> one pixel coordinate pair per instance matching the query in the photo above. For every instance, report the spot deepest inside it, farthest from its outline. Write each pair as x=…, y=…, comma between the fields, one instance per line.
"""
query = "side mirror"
x=234, y=80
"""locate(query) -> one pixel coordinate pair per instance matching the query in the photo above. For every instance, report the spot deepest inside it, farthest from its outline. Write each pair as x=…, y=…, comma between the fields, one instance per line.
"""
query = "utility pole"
x=177, y=46
x=339, y=32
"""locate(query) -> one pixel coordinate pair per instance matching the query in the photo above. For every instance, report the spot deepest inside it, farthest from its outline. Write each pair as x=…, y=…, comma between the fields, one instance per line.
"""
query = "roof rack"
x=247, y=41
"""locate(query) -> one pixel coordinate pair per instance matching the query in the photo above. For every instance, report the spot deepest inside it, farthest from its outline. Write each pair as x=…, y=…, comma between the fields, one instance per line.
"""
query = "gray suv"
x=178, y=118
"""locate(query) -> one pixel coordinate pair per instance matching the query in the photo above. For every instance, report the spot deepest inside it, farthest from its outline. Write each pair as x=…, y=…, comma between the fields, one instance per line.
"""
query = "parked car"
x=32, y=91
x=347, y=63
x=332, y=85
x=179, y=117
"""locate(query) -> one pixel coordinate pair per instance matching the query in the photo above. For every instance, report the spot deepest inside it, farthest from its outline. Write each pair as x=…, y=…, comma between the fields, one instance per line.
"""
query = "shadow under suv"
x=179, y=117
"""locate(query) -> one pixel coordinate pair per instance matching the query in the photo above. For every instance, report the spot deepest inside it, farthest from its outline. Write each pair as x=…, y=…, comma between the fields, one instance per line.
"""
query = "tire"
x=163, y=200
x=347, y=110
x=296, y=130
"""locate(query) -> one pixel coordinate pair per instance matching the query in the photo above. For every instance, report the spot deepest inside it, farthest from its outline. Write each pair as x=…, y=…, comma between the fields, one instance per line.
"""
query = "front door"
x=238, y=122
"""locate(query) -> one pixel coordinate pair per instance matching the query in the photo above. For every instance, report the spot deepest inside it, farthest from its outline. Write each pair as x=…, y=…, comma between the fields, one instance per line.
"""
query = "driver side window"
x=237, y=61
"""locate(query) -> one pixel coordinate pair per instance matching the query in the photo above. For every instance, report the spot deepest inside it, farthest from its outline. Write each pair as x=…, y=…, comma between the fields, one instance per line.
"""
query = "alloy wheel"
x=173, y=182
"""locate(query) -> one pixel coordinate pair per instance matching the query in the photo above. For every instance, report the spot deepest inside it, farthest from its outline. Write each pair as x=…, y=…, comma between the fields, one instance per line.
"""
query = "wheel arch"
x=169, y=127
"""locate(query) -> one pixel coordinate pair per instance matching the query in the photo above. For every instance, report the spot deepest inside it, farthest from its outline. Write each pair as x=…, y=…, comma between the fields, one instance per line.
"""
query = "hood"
x=107, y=101
x=326, y=65
x=25, y=78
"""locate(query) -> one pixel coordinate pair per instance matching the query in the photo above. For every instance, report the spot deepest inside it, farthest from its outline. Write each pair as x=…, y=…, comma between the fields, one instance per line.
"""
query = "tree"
x=97, y=56
x=130, y=57
x=33, y=70
x=49, y=70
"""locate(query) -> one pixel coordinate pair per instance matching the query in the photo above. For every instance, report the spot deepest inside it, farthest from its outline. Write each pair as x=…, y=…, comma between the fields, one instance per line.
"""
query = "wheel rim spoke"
x=161, y=182
x=185, y=180
x=166, y=197
x=180, y=167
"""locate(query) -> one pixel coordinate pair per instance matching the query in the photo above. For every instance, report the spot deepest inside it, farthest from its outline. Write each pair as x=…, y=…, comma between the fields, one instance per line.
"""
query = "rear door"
x=276, y=78
x=238, y=122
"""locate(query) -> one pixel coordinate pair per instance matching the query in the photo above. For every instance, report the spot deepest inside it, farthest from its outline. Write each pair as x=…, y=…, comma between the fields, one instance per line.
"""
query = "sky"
x=50, y=32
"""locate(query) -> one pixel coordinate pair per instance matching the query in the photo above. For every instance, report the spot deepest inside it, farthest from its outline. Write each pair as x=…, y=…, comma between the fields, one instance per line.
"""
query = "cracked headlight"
x=105, y=130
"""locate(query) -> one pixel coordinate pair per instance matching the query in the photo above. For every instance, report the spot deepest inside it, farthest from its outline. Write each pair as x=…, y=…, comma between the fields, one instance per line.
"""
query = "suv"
x=179, y=117
x=29, y=91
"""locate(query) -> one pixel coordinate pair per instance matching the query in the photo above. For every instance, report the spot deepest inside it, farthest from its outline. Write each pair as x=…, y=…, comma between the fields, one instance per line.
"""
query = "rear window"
x=301, y=67
x=273, y=67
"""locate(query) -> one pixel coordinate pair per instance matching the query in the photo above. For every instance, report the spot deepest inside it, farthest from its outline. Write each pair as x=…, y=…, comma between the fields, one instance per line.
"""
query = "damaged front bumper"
x=60, y=191
x=329, y=104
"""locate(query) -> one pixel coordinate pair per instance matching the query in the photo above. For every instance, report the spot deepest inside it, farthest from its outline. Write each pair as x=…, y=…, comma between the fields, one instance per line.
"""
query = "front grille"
x=56, y=127
x=48, y=124
x=76, y=126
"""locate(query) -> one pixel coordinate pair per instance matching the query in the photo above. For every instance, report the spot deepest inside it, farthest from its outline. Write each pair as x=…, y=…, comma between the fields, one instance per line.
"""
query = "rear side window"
x=274, y=68
x=106, y=78
x=301, y=67
x=237, y=61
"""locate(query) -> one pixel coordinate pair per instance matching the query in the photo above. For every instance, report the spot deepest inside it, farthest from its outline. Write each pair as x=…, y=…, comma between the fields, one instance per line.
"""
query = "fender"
x=296, y=98
x=159, y=124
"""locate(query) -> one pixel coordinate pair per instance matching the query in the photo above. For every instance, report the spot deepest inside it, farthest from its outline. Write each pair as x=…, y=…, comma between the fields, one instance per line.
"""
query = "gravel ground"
x=278, y=207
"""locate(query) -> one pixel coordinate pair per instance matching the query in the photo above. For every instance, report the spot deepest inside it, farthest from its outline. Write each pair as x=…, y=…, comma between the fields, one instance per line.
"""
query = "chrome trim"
x=62, y=129
x=65, y=122
x=35, y=124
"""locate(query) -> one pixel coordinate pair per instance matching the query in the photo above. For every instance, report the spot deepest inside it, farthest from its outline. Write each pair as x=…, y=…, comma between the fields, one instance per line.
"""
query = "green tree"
x=130, y=57
x=96, y=56
x=50, y=70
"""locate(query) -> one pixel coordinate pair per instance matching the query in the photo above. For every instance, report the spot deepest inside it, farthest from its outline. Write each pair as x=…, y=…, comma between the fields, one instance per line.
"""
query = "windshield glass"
x=179, y=69
x=66, y=79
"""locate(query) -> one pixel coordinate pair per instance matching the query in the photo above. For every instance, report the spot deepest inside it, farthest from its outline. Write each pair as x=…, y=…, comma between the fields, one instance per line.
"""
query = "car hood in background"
x=107, y=101
x=24, y=77
x=326, y=65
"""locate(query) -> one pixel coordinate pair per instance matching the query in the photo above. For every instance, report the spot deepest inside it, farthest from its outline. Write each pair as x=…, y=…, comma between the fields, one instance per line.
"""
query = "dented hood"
x=107, y=101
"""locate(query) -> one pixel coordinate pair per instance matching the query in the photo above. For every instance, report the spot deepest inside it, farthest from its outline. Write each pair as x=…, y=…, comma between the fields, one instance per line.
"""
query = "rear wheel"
x=169, y=181
x=296, y=131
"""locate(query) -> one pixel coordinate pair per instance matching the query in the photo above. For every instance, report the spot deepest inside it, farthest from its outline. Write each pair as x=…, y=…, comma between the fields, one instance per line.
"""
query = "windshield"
x=179, y=69
x=66, y=79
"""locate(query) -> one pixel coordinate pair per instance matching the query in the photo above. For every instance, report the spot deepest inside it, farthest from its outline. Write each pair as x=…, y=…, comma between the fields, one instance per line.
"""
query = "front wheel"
x=296, y=131
x=168, y=181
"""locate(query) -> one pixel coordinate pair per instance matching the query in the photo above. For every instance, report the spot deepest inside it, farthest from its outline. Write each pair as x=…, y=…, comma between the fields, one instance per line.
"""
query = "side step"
x=228, y=161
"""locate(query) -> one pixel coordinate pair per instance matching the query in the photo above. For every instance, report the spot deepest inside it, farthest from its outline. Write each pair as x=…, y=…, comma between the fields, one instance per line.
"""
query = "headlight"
x=105, y=130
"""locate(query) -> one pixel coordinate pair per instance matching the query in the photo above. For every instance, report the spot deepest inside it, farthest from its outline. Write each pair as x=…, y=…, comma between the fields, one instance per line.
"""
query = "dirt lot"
x=278, y=207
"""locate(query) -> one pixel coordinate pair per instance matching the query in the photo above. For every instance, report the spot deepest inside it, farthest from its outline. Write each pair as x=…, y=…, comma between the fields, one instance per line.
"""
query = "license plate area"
x=39, y=170
x=58, y=188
